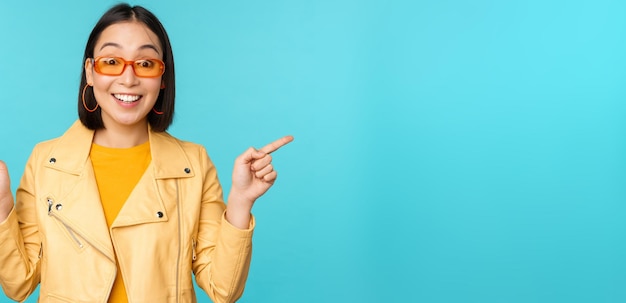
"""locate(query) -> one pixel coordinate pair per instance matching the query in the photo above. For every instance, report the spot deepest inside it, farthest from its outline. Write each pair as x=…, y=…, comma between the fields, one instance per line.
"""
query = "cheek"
x=153, y=85
x=151, y=90
x=101, y=83
x=101, y=88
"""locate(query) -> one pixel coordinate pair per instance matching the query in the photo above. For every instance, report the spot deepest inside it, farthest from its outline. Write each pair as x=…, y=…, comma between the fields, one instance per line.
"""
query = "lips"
x=127, y=98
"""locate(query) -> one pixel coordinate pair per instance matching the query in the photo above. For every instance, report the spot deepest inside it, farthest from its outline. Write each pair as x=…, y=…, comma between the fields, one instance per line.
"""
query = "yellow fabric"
x=158, y=255
x=117, y=171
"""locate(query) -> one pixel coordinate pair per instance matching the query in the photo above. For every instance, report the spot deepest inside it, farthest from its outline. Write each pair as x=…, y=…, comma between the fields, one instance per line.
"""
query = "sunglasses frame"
x=126, y=63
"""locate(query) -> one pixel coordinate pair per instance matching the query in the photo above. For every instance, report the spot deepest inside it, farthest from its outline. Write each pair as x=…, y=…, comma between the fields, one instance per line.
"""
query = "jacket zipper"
x=179, y=244
x=193, y=249
x=52, y=214
x=69, y=230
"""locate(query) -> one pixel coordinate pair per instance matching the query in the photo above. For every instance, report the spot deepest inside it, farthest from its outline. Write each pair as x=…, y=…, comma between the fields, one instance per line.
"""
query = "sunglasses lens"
x=148, y=68
x=109, y=66
x=113, y=66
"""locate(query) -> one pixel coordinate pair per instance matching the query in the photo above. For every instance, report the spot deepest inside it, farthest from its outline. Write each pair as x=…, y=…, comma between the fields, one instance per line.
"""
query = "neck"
x=117, y=136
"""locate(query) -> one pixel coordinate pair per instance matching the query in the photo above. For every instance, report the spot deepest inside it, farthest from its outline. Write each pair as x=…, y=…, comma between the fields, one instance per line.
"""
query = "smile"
x=127, y=98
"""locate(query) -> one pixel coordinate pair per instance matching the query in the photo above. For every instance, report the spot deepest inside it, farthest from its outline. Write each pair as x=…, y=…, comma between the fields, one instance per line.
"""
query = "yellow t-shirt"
x=117, y=171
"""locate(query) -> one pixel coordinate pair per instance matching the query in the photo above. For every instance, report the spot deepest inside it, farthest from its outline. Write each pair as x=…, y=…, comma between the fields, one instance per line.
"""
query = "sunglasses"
x=115, y=66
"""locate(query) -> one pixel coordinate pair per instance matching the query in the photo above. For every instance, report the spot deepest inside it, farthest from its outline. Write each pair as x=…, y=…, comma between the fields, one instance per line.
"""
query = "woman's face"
x=125, y=100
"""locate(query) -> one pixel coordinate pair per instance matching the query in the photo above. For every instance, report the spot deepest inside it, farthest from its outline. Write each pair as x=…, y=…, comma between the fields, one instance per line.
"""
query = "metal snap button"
x=187, y=170
x=159, y=214
x=53, y=160
x=59, y=206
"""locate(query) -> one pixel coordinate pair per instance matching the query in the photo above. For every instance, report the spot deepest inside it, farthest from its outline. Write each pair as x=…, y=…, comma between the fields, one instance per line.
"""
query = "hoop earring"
x=85, y=104
x=156, y=111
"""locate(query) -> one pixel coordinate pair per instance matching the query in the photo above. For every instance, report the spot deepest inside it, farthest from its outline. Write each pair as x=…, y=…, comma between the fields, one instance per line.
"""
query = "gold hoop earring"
x=85, y=104
x=156, y=111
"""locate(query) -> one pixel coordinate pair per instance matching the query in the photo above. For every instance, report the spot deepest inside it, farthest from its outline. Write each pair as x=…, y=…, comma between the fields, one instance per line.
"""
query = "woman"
x=116, y=209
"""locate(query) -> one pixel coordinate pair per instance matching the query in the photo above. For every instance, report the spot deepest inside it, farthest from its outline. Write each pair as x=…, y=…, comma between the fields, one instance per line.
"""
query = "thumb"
x=6, y=197
x=4, y=176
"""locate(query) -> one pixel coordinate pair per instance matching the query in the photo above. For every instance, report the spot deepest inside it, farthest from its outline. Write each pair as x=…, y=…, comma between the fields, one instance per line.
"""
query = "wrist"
x=239, y=200
x=238, y=211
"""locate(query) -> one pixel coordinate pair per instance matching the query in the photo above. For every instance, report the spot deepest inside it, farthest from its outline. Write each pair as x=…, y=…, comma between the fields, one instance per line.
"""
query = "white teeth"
x=127, y=98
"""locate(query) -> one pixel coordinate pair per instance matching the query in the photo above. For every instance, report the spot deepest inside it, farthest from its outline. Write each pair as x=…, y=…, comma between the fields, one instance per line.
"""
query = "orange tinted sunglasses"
x=115, y=66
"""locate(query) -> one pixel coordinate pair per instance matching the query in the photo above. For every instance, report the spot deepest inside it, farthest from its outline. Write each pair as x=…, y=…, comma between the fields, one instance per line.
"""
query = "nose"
x=128, y=77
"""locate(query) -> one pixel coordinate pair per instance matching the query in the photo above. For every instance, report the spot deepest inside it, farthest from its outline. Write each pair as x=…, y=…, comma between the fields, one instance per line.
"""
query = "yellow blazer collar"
x=71, y=153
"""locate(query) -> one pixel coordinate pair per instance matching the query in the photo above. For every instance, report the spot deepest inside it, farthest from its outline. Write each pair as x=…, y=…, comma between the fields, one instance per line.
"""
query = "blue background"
x=446, y=151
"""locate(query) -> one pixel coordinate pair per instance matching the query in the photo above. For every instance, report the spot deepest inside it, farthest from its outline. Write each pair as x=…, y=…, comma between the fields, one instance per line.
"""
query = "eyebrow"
x=145, y=46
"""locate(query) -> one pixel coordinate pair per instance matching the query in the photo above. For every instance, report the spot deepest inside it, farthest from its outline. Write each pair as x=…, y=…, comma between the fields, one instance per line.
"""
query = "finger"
x=258, y=164
x=272, y=147
x=264, y=171
x=249, y=155
x=271, y=177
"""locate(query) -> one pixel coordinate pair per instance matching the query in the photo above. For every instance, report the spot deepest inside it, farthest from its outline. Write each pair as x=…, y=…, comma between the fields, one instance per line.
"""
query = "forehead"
x=128, y=38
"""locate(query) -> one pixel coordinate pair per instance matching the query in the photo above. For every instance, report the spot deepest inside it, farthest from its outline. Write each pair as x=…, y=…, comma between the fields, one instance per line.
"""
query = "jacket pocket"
x=78, y=244
x=76, y=241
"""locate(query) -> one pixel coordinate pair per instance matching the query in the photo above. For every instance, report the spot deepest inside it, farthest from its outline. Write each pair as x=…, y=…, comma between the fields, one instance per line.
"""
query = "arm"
x=19, y=237
x=225, y=245
x=222, y=251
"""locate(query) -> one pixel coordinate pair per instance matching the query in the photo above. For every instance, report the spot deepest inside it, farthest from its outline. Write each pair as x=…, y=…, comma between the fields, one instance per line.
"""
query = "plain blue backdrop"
x=446, y=151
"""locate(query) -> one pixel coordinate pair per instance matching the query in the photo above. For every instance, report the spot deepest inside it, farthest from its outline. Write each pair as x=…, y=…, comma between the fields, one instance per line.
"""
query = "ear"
x=89, y=70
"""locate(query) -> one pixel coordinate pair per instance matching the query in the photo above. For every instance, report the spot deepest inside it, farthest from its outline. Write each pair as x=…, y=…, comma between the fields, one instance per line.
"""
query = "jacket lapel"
x=76, y=196
x=156, y=194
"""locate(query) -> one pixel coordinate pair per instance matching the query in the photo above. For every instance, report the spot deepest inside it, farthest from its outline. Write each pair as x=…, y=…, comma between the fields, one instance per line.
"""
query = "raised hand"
x=253, y=175
x=6, y=197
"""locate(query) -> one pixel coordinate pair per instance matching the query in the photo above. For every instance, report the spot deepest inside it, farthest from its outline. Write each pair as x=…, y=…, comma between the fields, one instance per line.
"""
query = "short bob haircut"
x=165, y=101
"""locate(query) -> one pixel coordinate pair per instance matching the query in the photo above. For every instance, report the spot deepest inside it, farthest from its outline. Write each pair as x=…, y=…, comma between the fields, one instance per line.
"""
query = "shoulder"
x=70, y=150
x=171, y=152
x=164, y=140
x=46, y=146
x=68, y=135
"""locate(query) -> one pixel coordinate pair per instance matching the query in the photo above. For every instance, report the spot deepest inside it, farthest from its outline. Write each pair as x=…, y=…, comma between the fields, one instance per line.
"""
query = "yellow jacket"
x=171, y=226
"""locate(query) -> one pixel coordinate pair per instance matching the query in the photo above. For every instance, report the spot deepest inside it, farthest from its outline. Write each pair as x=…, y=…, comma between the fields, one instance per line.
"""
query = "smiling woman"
x=118, y=210
x=126, y=97
x=128, y=35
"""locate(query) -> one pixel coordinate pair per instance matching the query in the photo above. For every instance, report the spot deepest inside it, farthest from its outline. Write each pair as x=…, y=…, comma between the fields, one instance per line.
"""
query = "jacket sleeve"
x=223, y=251
x=20, y=243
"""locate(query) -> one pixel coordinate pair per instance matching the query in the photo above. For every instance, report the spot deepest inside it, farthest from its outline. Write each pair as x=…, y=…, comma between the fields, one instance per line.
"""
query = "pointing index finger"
x=272, y=147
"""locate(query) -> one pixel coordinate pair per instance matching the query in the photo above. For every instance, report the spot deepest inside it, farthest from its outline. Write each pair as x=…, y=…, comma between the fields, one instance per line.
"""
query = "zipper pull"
x=193, y=250
x=50, y=202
